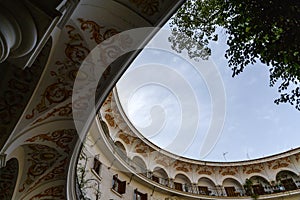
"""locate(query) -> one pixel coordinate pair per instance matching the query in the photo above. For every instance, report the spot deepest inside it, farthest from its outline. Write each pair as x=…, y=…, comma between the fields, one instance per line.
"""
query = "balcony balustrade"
x=198, y=189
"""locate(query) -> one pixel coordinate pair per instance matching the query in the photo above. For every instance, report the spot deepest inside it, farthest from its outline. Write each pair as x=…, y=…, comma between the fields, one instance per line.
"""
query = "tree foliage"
x=265, y=30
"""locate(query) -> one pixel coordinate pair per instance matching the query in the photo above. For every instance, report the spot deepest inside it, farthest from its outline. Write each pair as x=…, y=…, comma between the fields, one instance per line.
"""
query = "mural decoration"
x=99, y=34
x=8, y=178
x=55, y=93
x=181, y=166
x=57, y=172
x=63, y=111
x=64, y=74
x=62, y=138
x=46, y=163
x=66, y=70
x=107, y=101
x=110, y=50
x=75, y=50
x=250, y=169
x=279, y=163
x=128, y=139
x=163, y=160
x=95, y=30
x=205, y=170
x=143, y=148
x=110, y=112
x=148, y=7
x=224, y=171
x=40, y=159
x=110, y=120
x=53, y=193
x=16, y=90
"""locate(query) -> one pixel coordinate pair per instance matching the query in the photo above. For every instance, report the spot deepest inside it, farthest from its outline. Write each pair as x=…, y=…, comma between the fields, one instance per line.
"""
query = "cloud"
x=253, y=125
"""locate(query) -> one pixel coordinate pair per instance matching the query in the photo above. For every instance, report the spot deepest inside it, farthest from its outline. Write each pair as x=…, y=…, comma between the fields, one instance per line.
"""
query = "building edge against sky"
x=114, y=155
x=40, y=142
x=250, y=124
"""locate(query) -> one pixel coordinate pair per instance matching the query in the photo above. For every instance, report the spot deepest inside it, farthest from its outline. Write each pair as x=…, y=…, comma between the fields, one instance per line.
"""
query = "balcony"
x=203, y=189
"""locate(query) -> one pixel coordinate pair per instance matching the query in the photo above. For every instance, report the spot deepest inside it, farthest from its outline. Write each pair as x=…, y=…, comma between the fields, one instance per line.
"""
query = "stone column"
x=18, y=33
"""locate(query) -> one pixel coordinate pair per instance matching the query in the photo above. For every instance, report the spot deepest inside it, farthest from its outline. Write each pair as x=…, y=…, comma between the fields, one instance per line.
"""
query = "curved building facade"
x=125, y=165
x=59, y=61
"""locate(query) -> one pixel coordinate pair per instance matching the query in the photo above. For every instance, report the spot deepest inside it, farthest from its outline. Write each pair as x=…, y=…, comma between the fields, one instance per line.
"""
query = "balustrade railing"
x=190, y=188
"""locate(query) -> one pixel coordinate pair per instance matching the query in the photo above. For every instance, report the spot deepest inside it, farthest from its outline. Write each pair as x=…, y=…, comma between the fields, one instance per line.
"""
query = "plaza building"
x=64, y=134
x=117, y=162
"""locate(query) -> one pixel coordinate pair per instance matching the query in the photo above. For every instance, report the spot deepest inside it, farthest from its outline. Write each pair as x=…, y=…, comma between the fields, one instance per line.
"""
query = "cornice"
x=122, y=117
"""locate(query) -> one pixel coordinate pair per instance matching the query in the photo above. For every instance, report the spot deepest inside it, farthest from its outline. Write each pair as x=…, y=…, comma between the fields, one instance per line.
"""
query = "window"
x=289, y=184
x=258, y=189
x=178, y=186
x=203, y=190
x=97, y=166
x=118, y=185
x=155, y=178
x=140, y=196
x=186, y=187
x=231, y=192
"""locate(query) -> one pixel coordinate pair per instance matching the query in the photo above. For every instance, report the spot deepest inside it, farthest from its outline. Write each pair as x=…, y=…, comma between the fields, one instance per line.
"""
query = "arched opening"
x=182, y=183
x=206, y=187
x=159, y=175
x=139, y=165
x=120, y=148
x=104, y=127
x=287, y=180
x=260, y=185
x=232, y=187
x=8, y=179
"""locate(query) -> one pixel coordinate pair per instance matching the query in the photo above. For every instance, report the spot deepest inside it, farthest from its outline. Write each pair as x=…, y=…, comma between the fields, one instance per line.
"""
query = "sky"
x=178, y=105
